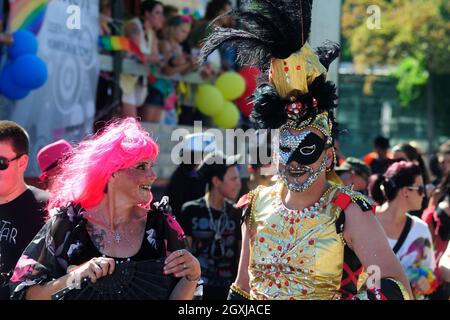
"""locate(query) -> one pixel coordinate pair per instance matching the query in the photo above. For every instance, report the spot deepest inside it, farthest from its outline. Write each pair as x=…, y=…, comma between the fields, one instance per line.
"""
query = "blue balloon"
x=7, y=86
x=29, y=72
x=24, y=43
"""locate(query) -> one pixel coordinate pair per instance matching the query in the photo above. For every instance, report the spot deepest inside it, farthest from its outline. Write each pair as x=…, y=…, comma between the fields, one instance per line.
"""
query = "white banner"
x=65, y=106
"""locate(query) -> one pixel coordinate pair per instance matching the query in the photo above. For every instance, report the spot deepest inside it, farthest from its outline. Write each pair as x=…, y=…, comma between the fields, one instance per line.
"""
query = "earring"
x=333, y=163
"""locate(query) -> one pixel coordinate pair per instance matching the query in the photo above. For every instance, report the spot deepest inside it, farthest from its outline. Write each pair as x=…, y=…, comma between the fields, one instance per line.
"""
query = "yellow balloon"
x=232, y=85
x=209, y=100
x=229, y=117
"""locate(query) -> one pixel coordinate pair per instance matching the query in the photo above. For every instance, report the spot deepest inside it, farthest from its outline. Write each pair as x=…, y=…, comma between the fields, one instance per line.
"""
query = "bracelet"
x=239, y=291
x=194, y=280
x=402, y=288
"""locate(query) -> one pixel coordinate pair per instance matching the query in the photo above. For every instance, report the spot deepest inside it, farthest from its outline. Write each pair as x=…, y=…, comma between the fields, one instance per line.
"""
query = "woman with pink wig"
x=100, y=218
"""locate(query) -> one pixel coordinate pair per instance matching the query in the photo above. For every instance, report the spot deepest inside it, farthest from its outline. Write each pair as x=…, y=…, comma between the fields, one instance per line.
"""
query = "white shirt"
x=417, y=250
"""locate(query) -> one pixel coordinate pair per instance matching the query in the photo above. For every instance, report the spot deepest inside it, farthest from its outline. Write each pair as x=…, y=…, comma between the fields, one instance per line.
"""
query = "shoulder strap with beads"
x=347, y=196
x=344, y=198
x=247, y=203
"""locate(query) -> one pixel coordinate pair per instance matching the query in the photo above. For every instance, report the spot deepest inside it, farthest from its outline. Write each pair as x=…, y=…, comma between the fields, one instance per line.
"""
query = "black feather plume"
x=269, y=111
x=267, y=29
x=328, y=52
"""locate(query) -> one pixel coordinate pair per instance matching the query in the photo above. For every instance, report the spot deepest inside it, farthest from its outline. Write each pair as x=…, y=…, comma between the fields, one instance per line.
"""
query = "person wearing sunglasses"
x=398, y=191
x=21, y=206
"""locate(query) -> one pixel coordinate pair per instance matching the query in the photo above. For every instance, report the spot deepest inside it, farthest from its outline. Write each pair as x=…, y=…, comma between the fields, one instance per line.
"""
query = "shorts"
x=136, y=97
x=155, y=98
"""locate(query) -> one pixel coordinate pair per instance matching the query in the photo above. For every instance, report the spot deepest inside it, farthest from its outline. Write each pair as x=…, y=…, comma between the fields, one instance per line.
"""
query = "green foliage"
x=409, y=28
x=412, y=77
x=414, y=35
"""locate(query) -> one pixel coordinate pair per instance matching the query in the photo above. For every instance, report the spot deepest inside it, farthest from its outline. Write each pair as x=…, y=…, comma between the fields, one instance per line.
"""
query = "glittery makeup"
x=289, y=173
x=304, y=148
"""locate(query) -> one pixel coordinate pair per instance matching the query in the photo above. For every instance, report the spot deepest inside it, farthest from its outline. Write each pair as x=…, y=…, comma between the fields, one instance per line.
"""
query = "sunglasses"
x=4, y=162
x=420, y=190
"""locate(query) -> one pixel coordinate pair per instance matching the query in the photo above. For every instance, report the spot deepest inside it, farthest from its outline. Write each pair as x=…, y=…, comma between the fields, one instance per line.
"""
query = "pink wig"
x=85, y=174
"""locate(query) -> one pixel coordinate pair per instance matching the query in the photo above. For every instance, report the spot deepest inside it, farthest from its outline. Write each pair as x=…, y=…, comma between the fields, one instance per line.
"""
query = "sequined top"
x=295, y=255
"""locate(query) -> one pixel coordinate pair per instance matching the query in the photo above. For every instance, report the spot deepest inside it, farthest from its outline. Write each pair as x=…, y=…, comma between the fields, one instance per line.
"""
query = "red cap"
x=49, y=156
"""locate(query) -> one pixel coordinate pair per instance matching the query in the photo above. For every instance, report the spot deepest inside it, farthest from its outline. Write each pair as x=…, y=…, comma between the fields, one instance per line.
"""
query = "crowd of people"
x=168, y=45
x=325, y=226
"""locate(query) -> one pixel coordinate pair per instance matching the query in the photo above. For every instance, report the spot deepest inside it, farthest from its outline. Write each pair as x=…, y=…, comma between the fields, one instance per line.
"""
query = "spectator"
x=380, y=159
x=107, y=25
x=443, y=292
x=153, y=15
x=437, y=216
x=201, y=29
x=212, y=225
x=178, y=62
x=134, y=88
x=398, y=191
x=444, y=158
x=355, y=174
x=100, y=217
x=169, y=13
x=185, y=185
x=21, y=206
x=50, y=158
x=409, y=153
x=105, y=103
x=444, y=265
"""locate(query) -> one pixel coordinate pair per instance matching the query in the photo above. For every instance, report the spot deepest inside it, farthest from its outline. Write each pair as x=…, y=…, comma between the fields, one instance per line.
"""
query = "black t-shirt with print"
x=20, y=221
x=218, y=258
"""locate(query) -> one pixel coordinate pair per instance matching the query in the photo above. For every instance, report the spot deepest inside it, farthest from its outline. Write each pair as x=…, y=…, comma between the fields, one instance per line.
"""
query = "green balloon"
x=209, y=100
x=229, y=117
x=232, y=85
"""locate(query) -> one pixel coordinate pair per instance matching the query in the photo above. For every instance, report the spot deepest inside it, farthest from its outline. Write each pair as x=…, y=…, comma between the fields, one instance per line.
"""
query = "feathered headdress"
x=272, y=36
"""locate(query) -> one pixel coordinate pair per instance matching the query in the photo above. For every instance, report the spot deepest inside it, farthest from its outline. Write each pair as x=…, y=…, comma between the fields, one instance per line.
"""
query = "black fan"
x=131, y=280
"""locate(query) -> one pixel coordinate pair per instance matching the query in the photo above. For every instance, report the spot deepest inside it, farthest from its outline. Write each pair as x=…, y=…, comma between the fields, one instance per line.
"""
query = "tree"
x=413, y=34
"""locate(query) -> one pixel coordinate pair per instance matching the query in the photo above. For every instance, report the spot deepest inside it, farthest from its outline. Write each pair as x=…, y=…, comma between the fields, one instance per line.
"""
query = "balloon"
x=7, y=86
x=29, y=72
x=229, y=117
x=246, y=106
x=250, y=74
x=24, y=43
x=231, y=84
x=209, y=100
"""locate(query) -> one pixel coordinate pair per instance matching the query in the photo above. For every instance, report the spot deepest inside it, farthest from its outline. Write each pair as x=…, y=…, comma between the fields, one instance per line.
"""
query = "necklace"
x=218, y=229
x=222, y=222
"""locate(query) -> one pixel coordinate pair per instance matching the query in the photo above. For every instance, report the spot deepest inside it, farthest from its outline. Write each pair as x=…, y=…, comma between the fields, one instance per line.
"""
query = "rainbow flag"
x=27, y=14
x=119, y=43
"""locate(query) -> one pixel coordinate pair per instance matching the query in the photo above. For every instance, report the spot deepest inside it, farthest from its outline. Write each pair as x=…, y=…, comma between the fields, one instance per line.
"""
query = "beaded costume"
x=296, y=254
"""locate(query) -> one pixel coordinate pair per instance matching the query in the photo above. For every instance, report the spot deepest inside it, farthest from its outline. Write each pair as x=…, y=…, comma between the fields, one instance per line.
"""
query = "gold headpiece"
x=293, y=75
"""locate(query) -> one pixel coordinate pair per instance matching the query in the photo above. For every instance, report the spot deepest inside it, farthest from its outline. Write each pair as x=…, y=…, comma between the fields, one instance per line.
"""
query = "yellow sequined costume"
x=295, y=254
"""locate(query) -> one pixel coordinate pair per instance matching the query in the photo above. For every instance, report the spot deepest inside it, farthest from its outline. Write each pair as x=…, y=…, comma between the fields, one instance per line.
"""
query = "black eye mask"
x=309, y=150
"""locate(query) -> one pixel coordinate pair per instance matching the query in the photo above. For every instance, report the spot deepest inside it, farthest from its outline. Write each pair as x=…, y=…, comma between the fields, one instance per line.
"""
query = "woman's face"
x=181, y=32
x=133, y=185
x=155, y=17
x=414, y=194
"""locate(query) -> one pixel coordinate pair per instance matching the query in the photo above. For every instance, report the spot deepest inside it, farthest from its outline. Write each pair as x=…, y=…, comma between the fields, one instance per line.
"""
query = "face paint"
x=304, y=148
x=290, y=174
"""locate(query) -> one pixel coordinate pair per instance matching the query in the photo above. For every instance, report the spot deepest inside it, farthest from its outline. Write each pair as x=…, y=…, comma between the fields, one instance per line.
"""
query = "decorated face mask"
x=290, y=175
x=304, y=149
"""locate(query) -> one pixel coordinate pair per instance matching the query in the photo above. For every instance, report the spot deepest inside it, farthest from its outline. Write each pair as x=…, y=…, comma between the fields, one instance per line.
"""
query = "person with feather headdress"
x=308, y=236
